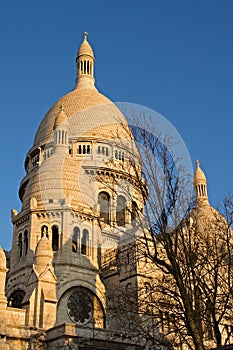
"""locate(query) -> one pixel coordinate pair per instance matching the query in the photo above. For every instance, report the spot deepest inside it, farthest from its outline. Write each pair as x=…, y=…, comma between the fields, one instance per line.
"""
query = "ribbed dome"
x=86, y=110
x=62, y=184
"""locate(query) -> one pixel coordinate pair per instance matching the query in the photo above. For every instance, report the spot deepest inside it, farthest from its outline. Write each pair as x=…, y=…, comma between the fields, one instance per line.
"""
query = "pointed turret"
x=85, y=65
x=200, y=185
x=43, y=254
x=61, y=129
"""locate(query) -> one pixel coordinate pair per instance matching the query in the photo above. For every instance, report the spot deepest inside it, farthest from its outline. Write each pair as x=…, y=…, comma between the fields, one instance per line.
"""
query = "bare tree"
x=183, y=251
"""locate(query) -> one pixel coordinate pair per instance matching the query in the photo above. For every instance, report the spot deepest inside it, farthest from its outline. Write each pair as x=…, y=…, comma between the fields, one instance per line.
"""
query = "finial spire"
x=197, y=164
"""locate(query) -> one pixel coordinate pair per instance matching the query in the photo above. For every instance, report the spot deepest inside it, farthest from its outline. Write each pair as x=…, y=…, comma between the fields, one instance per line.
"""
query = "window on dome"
x=104, y=203
x=35, y=160
x=103, y=150
x=84, y=243
x=84, y=149
x=119, y=155
x=55, y=238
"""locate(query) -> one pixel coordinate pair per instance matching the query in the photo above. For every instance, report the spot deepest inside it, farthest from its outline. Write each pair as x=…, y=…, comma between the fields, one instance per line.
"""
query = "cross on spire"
x=85, y=34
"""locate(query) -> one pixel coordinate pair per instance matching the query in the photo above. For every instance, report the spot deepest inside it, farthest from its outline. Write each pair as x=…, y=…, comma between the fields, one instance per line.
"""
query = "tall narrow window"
x=121, y=211
x=104, y=203
x=84, y=245
x=76, y=240
x=20, y=245
x=134, y=213
x=55, y=238
x=25, y=241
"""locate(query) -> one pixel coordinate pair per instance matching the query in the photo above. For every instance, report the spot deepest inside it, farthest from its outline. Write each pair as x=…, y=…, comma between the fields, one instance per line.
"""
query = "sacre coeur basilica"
x=70, y=252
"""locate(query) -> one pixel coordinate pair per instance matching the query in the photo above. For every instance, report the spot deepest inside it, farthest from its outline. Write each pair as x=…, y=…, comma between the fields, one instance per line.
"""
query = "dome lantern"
x=85, y=65
x=200, y=184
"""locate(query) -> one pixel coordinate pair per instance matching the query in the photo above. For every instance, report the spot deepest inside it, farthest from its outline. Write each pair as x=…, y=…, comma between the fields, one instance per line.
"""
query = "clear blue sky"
x=175, y=57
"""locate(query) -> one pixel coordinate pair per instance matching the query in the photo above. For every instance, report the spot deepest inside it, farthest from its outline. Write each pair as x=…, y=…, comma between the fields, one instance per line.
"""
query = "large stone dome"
x=87, y=111
x=82, y=129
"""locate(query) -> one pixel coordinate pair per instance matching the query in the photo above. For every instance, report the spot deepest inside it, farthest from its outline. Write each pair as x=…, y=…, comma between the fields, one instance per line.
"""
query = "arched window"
x=25, y=241
x=84, y=245
x=55, y=238
x=16, y=299
x=76, y=240
x=20, y=245
x=134, y=213
x=121, y=211
x=104, y=203
x=44, y=231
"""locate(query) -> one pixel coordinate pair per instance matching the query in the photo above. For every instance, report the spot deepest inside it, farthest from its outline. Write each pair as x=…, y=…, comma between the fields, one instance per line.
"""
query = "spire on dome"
x=61, y=129
x=85, y=65
x=200, y=184
x=61, y=118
